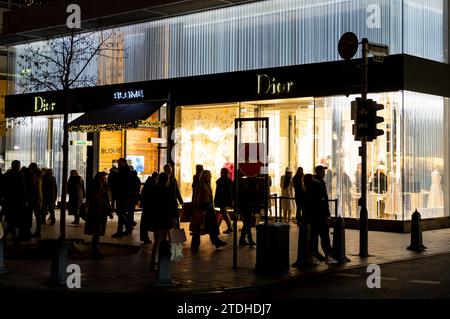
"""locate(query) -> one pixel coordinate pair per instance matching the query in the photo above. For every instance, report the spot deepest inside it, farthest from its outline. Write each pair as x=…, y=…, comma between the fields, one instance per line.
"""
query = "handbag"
x=177, y=235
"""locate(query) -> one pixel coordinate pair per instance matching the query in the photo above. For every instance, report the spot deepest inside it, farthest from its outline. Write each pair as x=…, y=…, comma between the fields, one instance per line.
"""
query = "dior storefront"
x=274, y=59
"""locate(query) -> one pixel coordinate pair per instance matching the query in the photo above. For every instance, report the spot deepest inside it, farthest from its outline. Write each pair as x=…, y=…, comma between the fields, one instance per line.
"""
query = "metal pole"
x=236, y=132
x=363, y=217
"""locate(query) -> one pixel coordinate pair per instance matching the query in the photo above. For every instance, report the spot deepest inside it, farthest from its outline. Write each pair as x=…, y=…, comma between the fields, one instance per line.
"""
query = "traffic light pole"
x=363, y=217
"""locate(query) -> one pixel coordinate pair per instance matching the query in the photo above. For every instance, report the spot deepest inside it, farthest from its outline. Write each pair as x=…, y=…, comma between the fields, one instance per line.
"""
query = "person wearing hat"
x=320, y=224
x=287, y=190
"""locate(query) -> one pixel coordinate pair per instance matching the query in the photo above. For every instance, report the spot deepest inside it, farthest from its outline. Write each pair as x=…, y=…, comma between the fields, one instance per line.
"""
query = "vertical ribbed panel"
x=276, y=33
x=423, y=154
x=423, y=29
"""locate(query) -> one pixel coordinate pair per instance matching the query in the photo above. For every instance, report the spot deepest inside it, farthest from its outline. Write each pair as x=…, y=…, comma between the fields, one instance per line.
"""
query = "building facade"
x=275, y=59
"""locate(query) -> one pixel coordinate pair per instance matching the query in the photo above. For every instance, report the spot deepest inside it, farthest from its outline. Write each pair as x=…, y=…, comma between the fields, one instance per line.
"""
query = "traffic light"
x=364, y=113
x=373, y=120
x=359, y=114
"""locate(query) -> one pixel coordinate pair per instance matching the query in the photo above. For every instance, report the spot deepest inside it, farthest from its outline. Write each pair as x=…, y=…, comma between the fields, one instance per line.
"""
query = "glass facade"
x=405, y=172
x=265, y=34
x=406, y=166
x=38, y=139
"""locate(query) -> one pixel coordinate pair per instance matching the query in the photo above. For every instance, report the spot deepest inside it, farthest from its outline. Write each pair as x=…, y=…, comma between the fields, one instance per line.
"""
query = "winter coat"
x=164, y=209
x=123, y=185
x=98, y=210
x=147, y=196
x=321, y=199
x=136, y=188
x=76, y=191
x=203, y=209
x=15, y=196
x=287, y=204
x=224, y=193
x=49, y=191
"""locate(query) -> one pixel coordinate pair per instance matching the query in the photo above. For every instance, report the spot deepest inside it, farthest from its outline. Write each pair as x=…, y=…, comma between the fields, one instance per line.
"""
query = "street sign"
x=348, y=45
x=378, y=49
x=157, y=140
x=81, y=143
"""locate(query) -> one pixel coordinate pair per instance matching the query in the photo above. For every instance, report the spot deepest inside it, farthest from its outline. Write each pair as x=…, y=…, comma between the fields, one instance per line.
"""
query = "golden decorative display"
x=117, y=126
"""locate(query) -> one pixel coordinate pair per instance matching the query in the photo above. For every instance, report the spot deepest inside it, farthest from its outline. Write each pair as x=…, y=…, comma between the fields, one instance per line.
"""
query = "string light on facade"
x=117, y=126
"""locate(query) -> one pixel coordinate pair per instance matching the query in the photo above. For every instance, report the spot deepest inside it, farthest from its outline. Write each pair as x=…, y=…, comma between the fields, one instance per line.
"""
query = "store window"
x=204, y=135
x=405, y=165
x=133, y=145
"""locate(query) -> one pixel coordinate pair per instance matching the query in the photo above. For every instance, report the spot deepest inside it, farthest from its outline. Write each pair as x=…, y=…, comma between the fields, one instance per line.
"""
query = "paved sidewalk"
x=208, y=270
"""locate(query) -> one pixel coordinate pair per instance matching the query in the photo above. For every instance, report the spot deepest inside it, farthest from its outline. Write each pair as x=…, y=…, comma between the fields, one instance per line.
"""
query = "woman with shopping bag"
x=203, y=219
x=164, y=213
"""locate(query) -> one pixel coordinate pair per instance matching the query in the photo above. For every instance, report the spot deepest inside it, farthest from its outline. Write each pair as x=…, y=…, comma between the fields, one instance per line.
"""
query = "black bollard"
x=164, y=277
x=304, y=251
x=416, y=233
x=58, y=273
x=339, y=241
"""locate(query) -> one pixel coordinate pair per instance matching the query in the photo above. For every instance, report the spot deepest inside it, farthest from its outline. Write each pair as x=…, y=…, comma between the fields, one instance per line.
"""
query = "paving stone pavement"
x=208, y=270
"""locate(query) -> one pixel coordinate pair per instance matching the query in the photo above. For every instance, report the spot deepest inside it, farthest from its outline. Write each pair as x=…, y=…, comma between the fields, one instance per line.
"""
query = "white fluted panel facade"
x=275, y=33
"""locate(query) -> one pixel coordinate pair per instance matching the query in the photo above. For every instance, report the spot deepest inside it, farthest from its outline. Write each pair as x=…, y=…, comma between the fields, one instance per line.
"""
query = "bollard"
x=416, y=233
x=58, y=273
x=339, y=241
x=164, y=277
x=304, y=251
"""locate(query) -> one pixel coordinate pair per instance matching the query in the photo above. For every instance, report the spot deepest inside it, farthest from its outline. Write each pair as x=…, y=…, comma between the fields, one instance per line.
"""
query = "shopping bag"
x=176, y=251
x=177, y=236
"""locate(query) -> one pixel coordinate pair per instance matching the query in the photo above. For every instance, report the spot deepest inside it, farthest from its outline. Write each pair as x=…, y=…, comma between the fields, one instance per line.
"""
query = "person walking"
x=147, y=196
x=136, y=191
x=305, y=251
x=203, y=219
x=173, y=183
x=163, y=215
x=224, y=197
x=38, y=201
x=15, y=199
x=287, y=190
x=198, y=170
x=320, y=222
x=76, y=191
x=49, y=193
x=298, y=190
x=26, y=219
x=98, y=211
x=123, y=192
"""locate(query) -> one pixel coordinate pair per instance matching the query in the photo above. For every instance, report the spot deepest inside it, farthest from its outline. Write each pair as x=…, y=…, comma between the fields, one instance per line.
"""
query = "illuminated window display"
x=405, y=165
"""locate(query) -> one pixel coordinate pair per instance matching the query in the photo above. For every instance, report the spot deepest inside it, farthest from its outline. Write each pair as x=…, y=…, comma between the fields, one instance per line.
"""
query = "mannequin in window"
x=379, y=185
x=436, y=196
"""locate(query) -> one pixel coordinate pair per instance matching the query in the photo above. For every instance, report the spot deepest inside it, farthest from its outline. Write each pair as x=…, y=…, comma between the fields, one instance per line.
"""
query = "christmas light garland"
x=117, y=126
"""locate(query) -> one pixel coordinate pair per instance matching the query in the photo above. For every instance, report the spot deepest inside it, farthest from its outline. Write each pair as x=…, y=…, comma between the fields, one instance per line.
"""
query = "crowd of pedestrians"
x=30, y=191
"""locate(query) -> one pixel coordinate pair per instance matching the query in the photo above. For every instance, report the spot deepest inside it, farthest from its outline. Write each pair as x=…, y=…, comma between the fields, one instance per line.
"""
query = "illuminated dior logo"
x=128, y=95
x=41, y=105
x=270, y=85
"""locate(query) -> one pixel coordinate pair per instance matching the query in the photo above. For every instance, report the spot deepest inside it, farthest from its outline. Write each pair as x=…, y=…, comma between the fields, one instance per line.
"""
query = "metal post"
x=236, y=179
x=276, y=208
x=363, y=217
